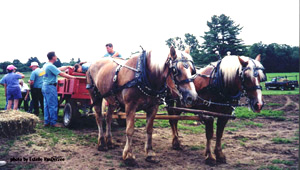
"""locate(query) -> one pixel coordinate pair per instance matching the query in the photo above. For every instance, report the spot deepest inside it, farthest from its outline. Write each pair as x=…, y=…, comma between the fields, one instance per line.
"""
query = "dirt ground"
x=257, y=151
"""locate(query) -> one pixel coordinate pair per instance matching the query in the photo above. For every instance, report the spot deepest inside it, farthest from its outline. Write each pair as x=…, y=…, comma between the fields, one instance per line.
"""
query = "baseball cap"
x=34, y=64
x=11, y=67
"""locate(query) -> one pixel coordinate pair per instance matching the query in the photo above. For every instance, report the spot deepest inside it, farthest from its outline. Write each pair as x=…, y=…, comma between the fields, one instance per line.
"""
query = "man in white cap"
x=36, y=83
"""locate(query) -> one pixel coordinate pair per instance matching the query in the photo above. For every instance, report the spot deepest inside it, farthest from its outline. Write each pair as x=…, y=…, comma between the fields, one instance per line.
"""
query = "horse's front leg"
x=151, y=112
x=221, y=123
x=130, y=115
x=209, y=131
x=108, y=137
x=101, y=141
x=173, y=123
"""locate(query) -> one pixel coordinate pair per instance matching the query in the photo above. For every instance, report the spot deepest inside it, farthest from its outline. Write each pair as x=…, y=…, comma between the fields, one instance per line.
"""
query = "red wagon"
x=76, y=97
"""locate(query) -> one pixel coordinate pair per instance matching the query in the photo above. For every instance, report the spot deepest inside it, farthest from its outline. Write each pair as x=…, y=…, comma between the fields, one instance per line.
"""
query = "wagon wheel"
x=282, y=88
x=267, y=88
x=71, y=114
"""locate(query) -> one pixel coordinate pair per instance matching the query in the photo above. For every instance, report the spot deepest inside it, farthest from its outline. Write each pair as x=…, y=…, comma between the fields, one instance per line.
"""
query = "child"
x=82, y=67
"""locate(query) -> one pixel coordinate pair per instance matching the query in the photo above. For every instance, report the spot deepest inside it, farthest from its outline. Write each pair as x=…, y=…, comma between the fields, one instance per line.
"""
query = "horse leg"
x=149, y=129
x=108, y=137
x=173, y=123
x=209, y=129
x=101, y=142
x=130, y=115
x=218, y=149
x=175, y=141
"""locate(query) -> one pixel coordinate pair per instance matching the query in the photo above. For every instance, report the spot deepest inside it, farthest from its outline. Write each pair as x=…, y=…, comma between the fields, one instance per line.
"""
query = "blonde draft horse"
x=239, y=75
x=101, y=74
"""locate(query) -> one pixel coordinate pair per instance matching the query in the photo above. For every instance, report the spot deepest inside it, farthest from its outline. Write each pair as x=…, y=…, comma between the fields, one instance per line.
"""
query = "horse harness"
x=141, y=80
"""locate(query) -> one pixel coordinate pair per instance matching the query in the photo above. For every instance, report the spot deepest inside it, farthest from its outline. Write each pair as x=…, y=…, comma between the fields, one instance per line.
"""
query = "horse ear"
x=187, y=50
x=243, y=63
x=258, y=57
x=173, y=53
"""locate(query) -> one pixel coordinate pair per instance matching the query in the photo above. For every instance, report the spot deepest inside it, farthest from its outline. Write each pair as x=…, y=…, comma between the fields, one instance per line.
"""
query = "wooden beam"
x=215, y=114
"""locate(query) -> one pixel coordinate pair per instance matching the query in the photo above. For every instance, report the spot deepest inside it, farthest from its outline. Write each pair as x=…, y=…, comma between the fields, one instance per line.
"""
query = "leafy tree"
x=78, y=60
x=221, y=37
x=72, y=62
x=33, y=59
x=3, y=66
x=176, y=42
x=58, y=63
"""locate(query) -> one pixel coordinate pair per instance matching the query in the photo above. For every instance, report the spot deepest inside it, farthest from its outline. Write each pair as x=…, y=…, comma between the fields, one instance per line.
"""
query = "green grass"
x=273, y=104
x=4, y=149
x=278, y=140
x=242, y=112
x=285, y=162
x=197, y=147
x=270, y=167
x=279, y=92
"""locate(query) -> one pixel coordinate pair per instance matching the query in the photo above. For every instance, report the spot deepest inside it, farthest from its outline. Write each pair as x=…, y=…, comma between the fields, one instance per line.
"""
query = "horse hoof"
x=111, y=145
x=152, y=159
x=221, y=160
x=210, y=161
x=176, y=147
x=130, y=161
x=102, y=148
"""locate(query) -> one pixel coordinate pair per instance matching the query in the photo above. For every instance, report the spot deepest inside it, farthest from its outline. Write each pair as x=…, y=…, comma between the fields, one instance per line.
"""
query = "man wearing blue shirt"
x=36, y=83
x=111, y=52
x=49, y=89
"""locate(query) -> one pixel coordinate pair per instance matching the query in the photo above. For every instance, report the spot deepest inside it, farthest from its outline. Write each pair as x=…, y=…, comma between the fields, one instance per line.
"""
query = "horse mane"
x=158, y=60
x=231, y=64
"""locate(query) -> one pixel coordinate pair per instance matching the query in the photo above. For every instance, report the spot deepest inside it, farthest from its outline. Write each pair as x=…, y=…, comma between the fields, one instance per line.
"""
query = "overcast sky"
x=75, y=29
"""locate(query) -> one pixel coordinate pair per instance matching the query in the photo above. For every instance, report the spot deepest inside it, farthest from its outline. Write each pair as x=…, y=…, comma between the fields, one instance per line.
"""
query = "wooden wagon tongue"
x=214, y=114
x=122, y=115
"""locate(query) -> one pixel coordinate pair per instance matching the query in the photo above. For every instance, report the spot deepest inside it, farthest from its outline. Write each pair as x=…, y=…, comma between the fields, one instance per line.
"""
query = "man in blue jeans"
x=49, y=90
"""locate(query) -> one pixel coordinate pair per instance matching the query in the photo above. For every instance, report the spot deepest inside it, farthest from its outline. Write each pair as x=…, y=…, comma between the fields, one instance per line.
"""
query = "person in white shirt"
x=25, y=95
x=2, y=163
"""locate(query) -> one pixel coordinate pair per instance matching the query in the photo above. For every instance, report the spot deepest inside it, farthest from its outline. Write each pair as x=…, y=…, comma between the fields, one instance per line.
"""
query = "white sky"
x=75, y=28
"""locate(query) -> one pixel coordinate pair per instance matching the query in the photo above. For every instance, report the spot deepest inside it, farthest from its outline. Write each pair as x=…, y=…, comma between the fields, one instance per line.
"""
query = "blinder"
x=255, y=74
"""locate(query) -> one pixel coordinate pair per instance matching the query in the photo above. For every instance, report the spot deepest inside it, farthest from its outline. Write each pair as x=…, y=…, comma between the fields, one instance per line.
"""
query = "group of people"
x=42, y=86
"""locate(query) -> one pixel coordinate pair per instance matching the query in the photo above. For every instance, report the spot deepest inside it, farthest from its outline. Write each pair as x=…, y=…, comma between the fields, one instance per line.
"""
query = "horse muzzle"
x=188, y=98
x=256, y=106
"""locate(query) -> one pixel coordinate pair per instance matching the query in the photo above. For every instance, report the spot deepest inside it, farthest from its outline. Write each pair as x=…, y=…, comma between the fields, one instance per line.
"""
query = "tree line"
x=24, y=67
x=222, y=38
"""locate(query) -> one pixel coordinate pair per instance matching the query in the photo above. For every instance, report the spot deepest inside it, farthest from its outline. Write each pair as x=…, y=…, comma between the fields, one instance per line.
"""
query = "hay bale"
x=13, y=123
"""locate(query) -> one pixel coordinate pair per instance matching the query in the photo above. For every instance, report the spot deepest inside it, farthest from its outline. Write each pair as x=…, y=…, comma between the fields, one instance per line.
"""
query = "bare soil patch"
x=249, y=147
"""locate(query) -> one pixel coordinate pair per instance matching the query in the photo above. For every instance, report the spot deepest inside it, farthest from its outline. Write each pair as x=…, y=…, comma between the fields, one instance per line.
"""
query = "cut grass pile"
x=13, y=123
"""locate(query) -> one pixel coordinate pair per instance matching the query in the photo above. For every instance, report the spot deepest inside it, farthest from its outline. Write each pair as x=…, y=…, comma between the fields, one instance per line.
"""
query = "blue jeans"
x=50, y=104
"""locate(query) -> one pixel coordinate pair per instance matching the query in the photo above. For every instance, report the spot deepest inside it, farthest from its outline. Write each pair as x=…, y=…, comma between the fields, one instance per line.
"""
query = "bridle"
x=173, y=68
x=255, y=74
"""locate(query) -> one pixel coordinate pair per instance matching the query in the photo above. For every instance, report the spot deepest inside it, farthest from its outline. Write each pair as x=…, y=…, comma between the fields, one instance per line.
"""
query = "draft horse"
x=137, y=84
x=220, y=86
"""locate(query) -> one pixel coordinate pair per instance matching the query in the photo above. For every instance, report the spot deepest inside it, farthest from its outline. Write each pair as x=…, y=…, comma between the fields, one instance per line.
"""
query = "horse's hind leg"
x=101, y=142
x=209, y=129
x=108, y=137
x=221, y=123
x=149, y=129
